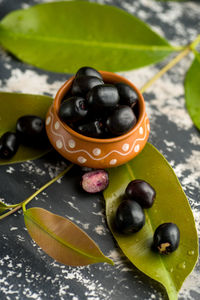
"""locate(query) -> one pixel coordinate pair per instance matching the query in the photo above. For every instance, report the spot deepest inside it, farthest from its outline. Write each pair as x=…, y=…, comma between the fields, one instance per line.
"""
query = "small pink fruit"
x=95, y=181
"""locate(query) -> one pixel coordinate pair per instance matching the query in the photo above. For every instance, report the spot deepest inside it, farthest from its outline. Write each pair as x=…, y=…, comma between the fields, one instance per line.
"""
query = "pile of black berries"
x=97, y=109
x=130, y=217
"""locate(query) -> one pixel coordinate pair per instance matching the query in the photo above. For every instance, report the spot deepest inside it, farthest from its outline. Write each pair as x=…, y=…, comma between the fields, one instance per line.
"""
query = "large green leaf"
x=62, y=239
x=192, y=91
x=63, y=36
x=15, y=105
x=171, y=205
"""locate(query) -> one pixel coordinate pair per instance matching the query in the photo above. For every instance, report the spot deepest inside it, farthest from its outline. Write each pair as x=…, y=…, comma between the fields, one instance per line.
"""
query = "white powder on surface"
x=73, y=206
x=13, y=228
x=100, y=229
x=192, y=165
x=30, y=82
x=191, y=284
x=30, y=167
x=10, y=170
x=85, y=226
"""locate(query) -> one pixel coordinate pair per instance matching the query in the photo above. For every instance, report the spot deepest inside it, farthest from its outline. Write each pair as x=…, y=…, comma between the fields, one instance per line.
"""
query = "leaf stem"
x=12, y=205
x=8, y=206
x=195, y=42
x=10, y=211
x=172, y=63
x=23, y=207
x=186, y=50
x=27, y=200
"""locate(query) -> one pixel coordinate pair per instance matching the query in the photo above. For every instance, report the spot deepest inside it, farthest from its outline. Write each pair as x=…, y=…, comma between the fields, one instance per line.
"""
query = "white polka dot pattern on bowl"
x=81, y=159
x=125, y=147
x=141, y=131
x=113, y=161
x=72, y=143
x=48, y=120
x=57, y=125
x=59, y=144
x=96, y=151
x=137, y=148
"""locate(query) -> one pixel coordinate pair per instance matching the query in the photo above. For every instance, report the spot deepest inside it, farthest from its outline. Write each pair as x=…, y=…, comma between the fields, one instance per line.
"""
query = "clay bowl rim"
x=109, y=75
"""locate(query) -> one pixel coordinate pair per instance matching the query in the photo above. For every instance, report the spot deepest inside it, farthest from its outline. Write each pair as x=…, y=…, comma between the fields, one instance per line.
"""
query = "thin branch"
x=26, y=201
x=10, y=212
x=172, y=63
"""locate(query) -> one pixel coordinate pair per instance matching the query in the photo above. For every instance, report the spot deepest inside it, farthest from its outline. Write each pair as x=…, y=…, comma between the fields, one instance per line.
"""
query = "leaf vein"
x=93, y=43
x=62, y=242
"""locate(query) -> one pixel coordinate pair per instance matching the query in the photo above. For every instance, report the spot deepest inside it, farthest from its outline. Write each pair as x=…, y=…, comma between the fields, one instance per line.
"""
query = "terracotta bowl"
x=92, y=152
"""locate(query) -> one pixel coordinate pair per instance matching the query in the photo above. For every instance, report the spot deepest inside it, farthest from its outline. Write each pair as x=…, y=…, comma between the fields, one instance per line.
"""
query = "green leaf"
x=171, y=205
x=64, y=36
x=62, y=239
x=192, y=91
x=15, y=105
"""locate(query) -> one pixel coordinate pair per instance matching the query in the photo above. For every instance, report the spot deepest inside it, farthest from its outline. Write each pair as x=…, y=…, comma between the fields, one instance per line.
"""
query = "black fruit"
x=91, y=129
x=121, y=120
x=83, y=84
x=166, y=238
x=103, y=97
x=88, y=71
x=127, y=95
x=8, y=145
x=141, y=192
x=73, y=109
x=31, y=130
x=129, y=217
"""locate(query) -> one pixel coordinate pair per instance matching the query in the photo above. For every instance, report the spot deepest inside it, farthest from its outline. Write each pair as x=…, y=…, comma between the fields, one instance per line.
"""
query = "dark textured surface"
x=26, y=272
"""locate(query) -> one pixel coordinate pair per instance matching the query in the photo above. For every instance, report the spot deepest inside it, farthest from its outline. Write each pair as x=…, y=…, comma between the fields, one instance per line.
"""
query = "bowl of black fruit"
x=98, y=119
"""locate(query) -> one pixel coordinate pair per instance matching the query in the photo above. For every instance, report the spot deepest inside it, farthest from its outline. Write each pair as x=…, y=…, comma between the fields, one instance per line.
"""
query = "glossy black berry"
x=129, y=217
x=88, y=71
x=73, y=109
x=127, y=94
x=141, y=192
x=166, y=238
x=82, y=84
x=121, y=120
x=31, y=130
x=103, y=97
x=8, y=145
x=92, y=129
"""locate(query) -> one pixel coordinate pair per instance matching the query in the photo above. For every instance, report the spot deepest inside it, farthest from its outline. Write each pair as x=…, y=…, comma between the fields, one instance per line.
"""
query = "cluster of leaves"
x=120, y=42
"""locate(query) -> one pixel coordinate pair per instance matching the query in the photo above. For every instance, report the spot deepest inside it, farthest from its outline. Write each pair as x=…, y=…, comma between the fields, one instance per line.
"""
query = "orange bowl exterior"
x=92, y=152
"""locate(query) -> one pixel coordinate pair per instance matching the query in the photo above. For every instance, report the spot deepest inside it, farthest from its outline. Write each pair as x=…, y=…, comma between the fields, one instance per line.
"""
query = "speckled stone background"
x=25, y=271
